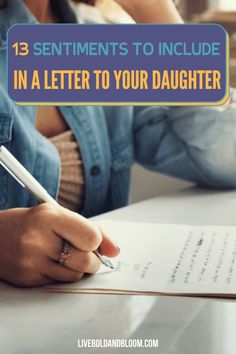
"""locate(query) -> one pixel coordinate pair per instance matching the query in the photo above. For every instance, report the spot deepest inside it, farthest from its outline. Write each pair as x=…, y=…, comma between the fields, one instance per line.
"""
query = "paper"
x=166, y=259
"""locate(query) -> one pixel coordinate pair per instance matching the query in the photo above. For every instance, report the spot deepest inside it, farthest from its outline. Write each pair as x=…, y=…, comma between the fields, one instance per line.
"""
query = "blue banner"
x=118, y=64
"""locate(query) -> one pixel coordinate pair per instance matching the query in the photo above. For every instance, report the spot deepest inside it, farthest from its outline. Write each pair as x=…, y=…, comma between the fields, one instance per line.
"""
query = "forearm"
x=155, y=11
x=190, y=143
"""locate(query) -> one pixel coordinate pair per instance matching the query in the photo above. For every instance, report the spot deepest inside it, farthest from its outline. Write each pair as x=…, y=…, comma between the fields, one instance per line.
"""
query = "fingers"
x=29, y=280
x=52, y=246
x=107, y=246
x=80, y=261
x=85, y=262
x=80, y=232
x=62, y=274
x=54, y=226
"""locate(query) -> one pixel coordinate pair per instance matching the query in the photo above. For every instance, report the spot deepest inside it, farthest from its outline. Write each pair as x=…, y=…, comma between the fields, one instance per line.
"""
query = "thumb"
x=107, y=247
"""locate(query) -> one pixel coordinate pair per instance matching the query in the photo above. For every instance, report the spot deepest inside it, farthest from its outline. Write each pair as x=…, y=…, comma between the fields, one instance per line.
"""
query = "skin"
x=151, y=11
x=31, y=239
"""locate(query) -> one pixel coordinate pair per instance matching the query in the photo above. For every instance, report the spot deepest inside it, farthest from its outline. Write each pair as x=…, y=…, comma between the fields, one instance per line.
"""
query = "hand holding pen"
x=37, y=237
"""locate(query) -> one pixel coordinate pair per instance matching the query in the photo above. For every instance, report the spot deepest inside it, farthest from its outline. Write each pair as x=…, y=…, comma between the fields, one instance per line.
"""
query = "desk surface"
x=33, y=321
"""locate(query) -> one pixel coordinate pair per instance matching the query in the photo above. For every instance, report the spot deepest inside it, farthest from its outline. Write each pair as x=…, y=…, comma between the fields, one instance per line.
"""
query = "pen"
x=26, y=180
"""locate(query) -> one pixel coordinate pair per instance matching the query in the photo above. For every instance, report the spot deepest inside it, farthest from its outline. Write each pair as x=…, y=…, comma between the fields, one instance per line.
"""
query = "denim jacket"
x=195, y=144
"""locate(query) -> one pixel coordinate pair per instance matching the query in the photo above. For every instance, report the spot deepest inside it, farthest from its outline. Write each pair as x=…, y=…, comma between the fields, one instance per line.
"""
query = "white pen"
x=26, y=180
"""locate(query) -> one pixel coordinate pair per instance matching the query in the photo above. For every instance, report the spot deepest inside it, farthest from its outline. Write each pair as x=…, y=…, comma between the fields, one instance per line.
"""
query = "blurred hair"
x=63, y=11
x=3, y=3
x=60, y=7
x=90, y=2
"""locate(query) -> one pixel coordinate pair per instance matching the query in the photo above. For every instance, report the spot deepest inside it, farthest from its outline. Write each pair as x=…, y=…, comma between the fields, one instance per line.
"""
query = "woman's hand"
x=151, y=11
x=31, y=241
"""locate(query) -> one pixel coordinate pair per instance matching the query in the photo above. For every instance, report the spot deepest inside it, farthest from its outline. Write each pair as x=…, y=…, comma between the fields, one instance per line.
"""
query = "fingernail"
x=116, y=246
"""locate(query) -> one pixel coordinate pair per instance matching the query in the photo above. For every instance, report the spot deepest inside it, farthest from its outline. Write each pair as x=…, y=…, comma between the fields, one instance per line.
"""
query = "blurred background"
x=146, y=184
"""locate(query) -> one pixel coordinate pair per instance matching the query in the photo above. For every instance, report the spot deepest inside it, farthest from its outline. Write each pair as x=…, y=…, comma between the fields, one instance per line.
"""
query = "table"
x=36, y=322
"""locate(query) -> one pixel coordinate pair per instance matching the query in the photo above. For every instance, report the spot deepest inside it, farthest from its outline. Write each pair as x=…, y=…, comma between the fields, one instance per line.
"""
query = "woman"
x=83, y=156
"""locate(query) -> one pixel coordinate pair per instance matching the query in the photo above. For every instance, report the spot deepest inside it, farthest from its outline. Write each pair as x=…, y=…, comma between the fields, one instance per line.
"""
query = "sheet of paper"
x=166, y=259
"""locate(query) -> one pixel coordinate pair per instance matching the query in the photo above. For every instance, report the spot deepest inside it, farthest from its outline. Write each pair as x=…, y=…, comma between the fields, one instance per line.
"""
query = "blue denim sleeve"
x=192, y=143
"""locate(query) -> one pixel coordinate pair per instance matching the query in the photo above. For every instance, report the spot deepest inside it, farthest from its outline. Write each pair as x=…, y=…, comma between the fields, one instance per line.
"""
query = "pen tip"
x=109, y=264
